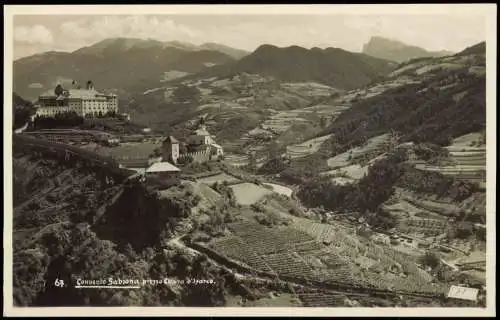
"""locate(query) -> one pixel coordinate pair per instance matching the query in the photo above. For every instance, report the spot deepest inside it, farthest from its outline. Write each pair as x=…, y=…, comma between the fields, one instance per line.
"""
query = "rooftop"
x=171, y=139
x=134, y=163
x=162, y=167
x=201, y=131
x=78, y=94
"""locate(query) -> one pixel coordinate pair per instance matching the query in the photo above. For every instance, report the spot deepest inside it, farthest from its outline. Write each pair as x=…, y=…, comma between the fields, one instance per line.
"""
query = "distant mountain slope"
x=113, y=64
x=447, y=101
x=398, y=51
x=335, y=67
x=232, y=52
x=18, y=101
x=479, y=48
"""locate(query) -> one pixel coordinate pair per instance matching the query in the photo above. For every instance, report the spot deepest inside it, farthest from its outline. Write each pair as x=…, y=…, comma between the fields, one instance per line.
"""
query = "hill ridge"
x=398, y=51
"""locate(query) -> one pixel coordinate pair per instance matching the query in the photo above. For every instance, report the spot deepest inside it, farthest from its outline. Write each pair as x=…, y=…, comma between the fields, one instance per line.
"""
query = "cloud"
x=247, y=32
x=36, y=34
x=89, y=31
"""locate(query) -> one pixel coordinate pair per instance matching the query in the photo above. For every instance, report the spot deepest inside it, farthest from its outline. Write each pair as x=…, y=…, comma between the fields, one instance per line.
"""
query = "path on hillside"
x=449, y=264
x=22, y=129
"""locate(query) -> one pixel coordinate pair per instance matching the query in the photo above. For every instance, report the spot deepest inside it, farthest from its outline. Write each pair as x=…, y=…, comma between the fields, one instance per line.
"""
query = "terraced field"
x=468, y=157
x=327, y=109
x=307, y=147
x=310, y=89
x=428, y=227
x=443, y=208
x=281, y=121
x=236, y=160
x=287, y=251
x=221, y=106
x=405, y=209
x=408, y=284
x=236, y=248
x=297, y=252
x=470, y=173
x=372, y=145
x=267, y=241
x=318, y=299
x=348, y=248
x=338, y=237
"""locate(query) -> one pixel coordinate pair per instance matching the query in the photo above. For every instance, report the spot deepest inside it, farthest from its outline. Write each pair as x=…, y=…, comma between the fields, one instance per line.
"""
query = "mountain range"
x=398, y=51
x=123, y=44
x=130, y=66
x=117, y=65
x=331, y=66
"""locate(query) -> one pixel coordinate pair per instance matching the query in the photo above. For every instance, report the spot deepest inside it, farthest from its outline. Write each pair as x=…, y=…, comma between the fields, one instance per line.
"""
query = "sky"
x=40, y=33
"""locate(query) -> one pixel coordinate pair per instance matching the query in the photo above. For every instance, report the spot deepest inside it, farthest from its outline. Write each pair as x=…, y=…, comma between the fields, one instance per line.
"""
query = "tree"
x=323, y=122
x=201, y=122
x=464, y=231
x=481, y=234
x=430, y=259
x=274, y=150
x=58, y=90
x=185, y=93
x=252, y=162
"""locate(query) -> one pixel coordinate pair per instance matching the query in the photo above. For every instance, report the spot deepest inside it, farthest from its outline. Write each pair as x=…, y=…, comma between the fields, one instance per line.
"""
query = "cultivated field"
x=130, y=150
x=324, y=254
x=280, y=121
x=405, y=209
x=344, y=159
x=311, y=89
x=221, y=106
x=280, y=189
x=272, y=300
x=326, y=109
x=248, y=193
x=236, y=160
x=171, y=75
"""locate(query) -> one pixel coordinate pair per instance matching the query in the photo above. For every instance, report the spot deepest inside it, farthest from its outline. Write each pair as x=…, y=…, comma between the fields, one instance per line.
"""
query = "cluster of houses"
x=198, y=147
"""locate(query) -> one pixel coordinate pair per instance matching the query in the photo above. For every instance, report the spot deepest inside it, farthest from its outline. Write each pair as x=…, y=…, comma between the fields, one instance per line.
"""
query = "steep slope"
x=332, y=66
x=445, y=100
x=21, y=110
x=71, y=224
x=479, y=48
x=397, y=51
x=121, y=65
x=410, y=158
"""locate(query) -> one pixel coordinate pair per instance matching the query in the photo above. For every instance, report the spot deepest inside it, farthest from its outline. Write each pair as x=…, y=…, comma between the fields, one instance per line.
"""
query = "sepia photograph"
x=268, y=160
